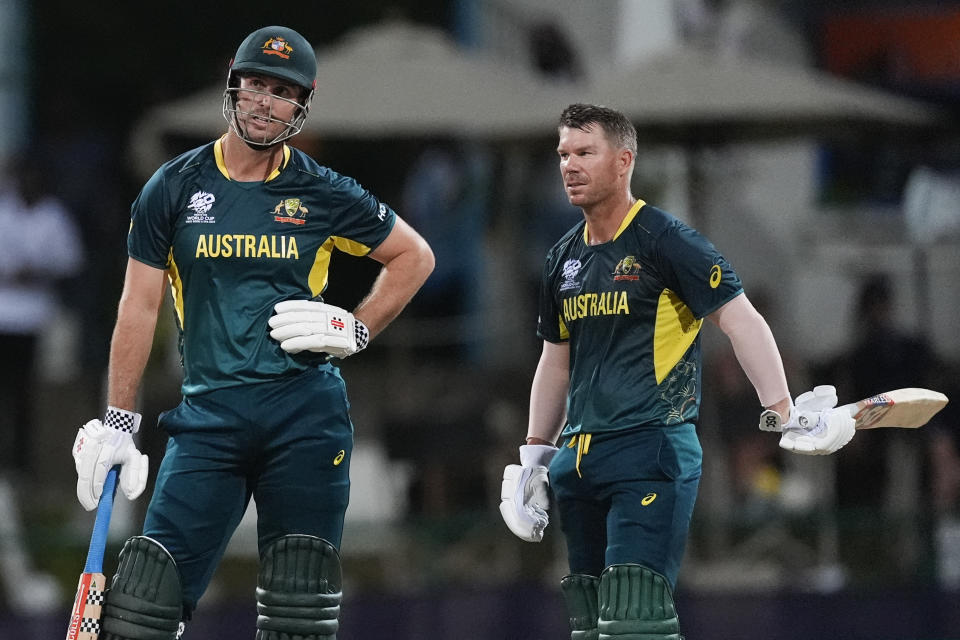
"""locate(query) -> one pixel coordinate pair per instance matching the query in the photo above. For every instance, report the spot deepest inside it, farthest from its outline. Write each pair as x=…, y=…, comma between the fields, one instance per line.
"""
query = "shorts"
x=627, y=497
x=286, y=442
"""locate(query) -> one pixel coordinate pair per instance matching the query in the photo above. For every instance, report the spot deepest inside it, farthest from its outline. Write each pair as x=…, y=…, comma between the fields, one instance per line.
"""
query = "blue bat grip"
x=98, y=540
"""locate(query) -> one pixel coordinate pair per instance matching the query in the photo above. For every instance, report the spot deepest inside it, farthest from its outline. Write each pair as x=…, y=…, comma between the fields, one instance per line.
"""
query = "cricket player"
x=243, y=229
x=623, y=298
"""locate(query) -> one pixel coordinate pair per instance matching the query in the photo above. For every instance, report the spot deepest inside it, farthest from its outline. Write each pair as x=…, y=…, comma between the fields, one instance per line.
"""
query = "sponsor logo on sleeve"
x=716, y=275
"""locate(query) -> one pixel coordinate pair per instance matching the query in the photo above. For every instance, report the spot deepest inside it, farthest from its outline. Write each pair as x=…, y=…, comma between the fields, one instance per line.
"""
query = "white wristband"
x=536, y=455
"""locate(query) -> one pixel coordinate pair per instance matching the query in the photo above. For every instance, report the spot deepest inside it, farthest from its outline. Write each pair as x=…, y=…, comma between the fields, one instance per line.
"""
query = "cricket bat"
x=905, y=408
x=85, y=616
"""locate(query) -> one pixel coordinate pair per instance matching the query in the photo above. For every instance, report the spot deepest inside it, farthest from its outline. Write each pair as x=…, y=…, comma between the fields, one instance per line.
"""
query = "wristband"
x=122, y=420
x=360, y=334
x=536, y=455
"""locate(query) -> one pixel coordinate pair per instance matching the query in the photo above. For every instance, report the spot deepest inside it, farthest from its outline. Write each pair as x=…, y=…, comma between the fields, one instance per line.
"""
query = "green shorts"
x=285, y=442
x=627, y=497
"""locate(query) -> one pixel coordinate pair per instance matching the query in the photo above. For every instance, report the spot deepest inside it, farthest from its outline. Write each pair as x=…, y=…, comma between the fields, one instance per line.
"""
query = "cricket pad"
x=636, y=604
x=580, y=595
x=299, y=590
x=144, y=601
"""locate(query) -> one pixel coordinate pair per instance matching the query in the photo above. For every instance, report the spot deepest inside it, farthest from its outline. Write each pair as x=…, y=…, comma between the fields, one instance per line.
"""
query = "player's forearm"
x=548, y=396
x=129, y=350
x=398, y=281
x=756, y=351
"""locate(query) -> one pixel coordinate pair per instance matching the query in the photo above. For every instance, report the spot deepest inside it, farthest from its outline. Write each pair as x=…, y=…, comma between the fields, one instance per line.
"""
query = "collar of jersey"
x=218, y=154
x=627, y=219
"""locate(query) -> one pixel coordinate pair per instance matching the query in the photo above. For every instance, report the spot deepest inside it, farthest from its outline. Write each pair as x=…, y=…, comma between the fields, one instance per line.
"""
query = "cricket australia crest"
x=290, y=210
x=627, y=269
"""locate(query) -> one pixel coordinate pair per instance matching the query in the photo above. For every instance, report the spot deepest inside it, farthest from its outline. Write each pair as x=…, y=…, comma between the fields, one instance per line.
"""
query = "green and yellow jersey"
x=632, y=310
x=232, y=250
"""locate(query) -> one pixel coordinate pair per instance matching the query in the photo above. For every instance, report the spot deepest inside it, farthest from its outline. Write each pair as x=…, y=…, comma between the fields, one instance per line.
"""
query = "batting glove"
x=309, y=325
x=525, y=492
x=101, y=445
x=816, y=426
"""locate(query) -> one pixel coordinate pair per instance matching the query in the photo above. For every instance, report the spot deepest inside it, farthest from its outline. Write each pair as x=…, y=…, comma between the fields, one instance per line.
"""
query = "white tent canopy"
x=390, y=79
x=690, y=93
x=398, y=79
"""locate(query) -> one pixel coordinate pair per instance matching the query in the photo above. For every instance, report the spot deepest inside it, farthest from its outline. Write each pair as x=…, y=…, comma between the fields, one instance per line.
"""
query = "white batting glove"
x=525, y=492
x=101, y=445
x=816, y=426
x=310, y=325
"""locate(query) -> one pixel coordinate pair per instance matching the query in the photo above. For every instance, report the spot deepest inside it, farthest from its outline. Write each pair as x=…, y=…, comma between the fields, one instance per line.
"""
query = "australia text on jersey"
x=595, y=304
x=239, y=245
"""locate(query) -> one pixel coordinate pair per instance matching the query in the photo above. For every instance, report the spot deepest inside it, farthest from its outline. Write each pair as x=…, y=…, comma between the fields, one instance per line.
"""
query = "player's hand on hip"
x=525, y=492
x=816, y=426
x=99, y=446
x=309, y=325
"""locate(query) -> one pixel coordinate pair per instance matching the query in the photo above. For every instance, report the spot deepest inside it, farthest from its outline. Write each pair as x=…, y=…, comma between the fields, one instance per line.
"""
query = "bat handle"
x=98, y=540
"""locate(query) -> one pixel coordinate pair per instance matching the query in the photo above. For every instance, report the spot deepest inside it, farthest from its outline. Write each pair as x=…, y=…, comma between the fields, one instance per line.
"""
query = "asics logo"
x=339, y=458
x=647, y=499
x=716, y=275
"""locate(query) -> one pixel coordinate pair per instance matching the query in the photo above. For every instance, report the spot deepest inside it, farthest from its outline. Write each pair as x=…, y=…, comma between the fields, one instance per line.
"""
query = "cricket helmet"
x=282, y=53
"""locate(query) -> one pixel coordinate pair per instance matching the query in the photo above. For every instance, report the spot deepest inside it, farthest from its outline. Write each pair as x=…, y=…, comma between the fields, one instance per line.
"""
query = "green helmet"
x=282, y=53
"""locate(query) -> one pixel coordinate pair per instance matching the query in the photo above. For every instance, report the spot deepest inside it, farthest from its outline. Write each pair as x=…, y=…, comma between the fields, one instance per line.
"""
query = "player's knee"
x=635, y=601
x=144, y=601
x=298, y=589
x=580, y=596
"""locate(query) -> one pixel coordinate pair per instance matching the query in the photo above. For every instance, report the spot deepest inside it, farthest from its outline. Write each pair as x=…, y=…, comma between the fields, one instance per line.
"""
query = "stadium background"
x=810, y=215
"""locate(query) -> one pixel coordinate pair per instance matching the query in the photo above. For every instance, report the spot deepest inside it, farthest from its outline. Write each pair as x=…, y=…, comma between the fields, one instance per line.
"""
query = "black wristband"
x=122, y=420
x=361, y=334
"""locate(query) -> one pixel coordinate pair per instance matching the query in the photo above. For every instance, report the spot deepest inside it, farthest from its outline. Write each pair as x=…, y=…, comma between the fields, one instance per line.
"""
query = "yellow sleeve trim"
x=350, y=246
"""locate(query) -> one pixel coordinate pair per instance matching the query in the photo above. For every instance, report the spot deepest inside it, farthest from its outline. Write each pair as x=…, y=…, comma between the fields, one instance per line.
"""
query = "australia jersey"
x=632, y=310
x=232, y=250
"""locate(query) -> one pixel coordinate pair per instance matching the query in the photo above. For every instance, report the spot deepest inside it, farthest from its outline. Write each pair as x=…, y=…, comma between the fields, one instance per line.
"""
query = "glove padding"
x=98, y=447
x=816, y=426
x=309, y=325
x=525, y=492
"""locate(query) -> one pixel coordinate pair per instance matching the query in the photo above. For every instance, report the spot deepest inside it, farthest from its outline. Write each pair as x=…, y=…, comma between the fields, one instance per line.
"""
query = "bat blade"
x=88, y=604
x=87, y=607
x=907, y=408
